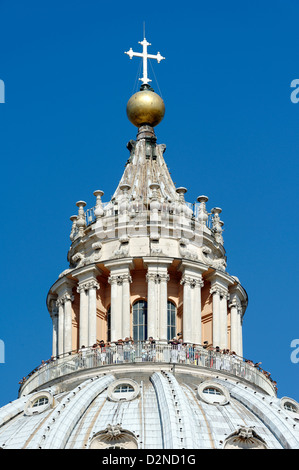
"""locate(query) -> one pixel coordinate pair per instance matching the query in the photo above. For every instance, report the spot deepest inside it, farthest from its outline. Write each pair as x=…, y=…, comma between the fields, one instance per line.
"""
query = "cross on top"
x=145, y=56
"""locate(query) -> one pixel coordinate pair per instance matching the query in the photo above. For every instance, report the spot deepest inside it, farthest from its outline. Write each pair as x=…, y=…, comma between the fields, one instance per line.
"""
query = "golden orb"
x=145, y=107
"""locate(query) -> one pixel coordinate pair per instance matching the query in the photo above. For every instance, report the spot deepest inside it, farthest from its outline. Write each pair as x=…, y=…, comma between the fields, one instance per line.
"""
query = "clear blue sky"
x=230, y=128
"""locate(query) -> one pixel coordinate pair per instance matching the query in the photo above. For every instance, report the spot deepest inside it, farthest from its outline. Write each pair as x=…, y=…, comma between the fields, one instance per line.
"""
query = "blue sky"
x=230, y=128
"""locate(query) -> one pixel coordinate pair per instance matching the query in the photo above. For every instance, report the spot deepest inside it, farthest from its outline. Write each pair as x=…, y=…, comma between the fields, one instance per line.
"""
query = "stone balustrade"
x=194, y=356
x=139, y=207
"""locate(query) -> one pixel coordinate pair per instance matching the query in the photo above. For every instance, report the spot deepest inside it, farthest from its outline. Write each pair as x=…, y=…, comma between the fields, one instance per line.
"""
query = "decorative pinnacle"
x=145, y=80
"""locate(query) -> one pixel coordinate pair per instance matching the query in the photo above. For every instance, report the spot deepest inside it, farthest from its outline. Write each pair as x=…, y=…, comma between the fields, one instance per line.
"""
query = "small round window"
x=42, y=401
x=39, y=402
x=290, y=405
x=213, y=393
x=123, y=390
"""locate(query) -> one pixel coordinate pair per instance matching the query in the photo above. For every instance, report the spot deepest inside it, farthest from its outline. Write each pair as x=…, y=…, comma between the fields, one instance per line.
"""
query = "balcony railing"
x=145, y=352
x=142, y=208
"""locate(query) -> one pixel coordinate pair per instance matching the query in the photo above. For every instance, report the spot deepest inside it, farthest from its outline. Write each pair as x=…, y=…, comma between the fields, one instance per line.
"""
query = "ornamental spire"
x=145, y=80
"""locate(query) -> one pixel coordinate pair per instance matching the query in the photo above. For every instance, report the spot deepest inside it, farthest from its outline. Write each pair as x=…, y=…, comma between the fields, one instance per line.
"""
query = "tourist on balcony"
x=174, y=350
x=127, y=349
x=108, y=353
x=95, y=356
x=182, y=353
x=151, y=349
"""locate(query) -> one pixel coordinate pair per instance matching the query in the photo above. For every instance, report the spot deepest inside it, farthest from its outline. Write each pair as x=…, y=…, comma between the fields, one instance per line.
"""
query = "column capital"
x=59, y=302
x=157, y=277
x=220, y=290
x=85, y=286
x=192, y=281
x=64, y=298
x=234, y=301
x=220, y=282
x=93, y=284
x=119, y=279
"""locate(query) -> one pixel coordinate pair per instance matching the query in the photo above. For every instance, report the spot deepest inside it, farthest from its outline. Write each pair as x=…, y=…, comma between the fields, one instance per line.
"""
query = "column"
x=220, y=282
x=152, y=305
x=63, y=289
x=68, y=299
x=240, y=323
x=126, y=319
x=116, y=307
x=187, y=309
x=234, y=325
x=54, y=316
x=196, y=332
x=87, y=288
x=163, y=278
x=215, y=292
x=83, y=316
x=192, y=283
x=119, y=281
x=223, y=319
x=239, y=330
x=60, y=342
x=93, y=286
x=220, y=297
x=237, y=305
x=157, y=296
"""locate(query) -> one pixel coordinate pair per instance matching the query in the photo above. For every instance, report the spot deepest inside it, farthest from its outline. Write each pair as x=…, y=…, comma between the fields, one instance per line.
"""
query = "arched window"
x=109, y=325
x=171, y=320
x=140, y=320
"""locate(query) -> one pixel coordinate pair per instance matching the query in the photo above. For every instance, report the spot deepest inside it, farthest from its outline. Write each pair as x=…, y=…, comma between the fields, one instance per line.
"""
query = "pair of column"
x=157, y=278
x=62, y=318
x=219, y=290
x=119, y=281
x=192, y=283
x=236, y=311
x=87, y=288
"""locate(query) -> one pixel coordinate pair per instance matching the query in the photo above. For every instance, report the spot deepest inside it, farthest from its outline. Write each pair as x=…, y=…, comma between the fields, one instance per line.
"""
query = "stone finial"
x=182, y=206
x=202, y=211
x=124, y=201
x=154, y=188
x=181, y=191
x=125, y=187
x=73, y=218
x=81, y=221
x=217, y=225
x=99, y=211
x=154, y=204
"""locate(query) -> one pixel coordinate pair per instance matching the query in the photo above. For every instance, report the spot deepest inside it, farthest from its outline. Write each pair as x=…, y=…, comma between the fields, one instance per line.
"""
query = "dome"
x=145, y=107
x=148, y=406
